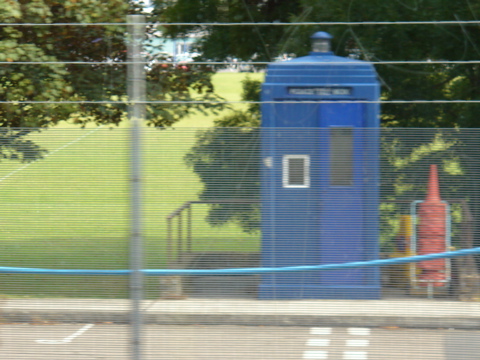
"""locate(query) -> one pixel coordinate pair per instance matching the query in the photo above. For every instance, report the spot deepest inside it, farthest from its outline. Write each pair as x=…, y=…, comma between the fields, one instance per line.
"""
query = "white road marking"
x=355, y=355
x=349, y=343
x=320, y=331
x=315, y=355
x=357, y=342
x=318, y=342
x=68, y=338
x=359, y=331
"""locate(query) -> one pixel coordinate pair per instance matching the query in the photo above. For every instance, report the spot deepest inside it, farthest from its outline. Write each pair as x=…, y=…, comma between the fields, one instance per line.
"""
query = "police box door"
x=341, y=188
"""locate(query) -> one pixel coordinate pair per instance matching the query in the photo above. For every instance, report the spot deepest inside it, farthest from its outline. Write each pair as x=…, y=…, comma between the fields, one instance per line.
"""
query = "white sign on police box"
x=319, y=90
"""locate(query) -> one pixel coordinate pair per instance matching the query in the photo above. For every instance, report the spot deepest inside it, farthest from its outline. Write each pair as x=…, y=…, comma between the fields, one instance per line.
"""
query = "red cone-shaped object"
x=432, y=232
x=433, y=189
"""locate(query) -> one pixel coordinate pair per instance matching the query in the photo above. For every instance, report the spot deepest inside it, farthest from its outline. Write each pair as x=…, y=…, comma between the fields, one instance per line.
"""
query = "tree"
x=101, y=76
x=226, y=158
x=386, y=42
x=381, y=42
x=221, y=42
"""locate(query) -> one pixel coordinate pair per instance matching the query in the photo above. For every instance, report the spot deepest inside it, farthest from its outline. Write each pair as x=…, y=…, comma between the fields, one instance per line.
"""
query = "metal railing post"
x=136, y=95
x=169, y=241
x=180, y=237
x=189, y=229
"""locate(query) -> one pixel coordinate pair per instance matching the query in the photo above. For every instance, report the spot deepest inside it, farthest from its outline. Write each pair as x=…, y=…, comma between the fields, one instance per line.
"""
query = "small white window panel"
x=296, y=171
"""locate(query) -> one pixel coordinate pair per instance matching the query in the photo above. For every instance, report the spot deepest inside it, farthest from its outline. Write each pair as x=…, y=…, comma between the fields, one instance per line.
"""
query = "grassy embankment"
x=71, y=209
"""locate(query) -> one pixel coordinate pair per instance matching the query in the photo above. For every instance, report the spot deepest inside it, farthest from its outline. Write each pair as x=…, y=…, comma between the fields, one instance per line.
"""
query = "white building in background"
x=179, y=50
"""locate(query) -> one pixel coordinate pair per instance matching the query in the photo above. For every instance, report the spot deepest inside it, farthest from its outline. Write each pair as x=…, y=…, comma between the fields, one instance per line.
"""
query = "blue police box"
x=320, y=154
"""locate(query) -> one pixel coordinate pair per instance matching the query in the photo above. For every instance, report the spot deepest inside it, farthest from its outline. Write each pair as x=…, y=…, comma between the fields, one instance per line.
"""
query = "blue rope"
x=246, y=271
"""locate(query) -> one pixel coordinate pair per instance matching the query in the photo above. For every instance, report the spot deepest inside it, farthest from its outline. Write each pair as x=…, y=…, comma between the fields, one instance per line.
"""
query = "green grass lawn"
x=71, y=209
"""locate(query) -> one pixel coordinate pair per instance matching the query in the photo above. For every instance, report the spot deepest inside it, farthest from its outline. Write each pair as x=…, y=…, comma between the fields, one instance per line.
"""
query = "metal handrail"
x=178, y=214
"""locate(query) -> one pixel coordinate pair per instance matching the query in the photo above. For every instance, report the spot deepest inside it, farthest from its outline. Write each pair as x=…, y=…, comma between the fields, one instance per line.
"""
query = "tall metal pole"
x=136, y=113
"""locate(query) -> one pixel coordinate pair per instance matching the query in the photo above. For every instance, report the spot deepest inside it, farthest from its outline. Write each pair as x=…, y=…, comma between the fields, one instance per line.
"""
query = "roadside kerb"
x=423, y=313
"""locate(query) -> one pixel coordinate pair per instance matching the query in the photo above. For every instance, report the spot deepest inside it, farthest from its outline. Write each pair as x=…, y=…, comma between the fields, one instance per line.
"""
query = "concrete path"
x=415, y=313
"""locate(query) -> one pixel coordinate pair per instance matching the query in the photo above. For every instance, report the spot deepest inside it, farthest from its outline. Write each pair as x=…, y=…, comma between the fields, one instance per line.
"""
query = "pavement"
x=389, y=312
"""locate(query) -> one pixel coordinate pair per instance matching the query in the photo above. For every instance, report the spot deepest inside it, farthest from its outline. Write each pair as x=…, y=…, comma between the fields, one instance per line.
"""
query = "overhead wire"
x=462, y=23
x=375, y=62
x=309, y=23
x=283, y=101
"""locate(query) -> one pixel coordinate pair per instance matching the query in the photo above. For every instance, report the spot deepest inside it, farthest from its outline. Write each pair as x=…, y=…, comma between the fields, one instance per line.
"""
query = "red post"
x=432, y=233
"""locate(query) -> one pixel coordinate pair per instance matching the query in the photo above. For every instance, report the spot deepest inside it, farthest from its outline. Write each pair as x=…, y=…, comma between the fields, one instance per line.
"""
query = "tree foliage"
x=220, y=42
x=382, y=42
x=101, y=76
x=226, y=158
x=430, y=42
x=52, y=81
